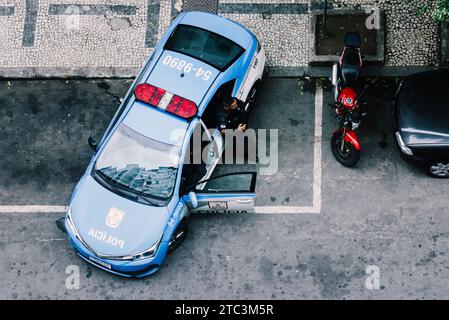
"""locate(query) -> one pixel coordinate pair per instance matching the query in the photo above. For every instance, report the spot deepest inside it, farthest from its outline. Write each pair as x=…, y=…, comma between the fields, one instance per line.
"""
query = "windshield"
x=139, y=164
x=204, y=45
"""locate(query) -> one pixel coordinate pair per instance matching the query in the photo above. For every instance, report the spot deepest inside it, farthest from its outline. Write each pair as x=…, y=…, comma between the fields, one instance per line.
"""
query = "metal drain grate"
x=200, y=5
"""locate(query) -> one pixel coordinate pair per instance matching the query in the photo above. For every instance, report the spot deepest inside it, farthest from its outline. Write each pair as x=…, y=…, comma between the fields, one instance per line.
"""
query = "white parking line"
x=32, y=209
x=315, y=208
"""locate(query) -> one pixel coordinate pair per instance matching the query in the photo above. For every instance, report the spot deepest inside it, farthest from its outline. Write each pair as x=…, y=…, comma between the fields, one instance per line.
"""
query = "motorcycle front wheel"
x=349, y=156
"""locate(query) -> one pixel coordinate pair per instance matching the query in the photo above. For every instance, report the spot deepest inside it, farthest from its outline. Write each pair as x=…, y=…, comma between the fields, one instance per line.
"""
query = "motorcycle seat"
x=350, y=66
x=350, y=74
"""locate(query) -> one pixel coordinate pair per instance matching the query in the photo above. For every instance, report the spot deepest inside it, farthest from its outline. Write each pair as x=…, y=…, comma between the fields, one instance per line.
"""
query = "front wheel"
x=251, y=99
x=178, y=236
x=437, y=169
x=348, y=155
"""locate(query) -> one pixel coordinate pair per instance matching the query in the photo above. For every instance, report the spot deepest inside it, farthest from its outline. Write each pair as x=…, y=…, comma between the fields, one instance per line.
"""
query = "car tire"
x=178, y=236
x=437, y=169
x=348, y=158
x=251, y=99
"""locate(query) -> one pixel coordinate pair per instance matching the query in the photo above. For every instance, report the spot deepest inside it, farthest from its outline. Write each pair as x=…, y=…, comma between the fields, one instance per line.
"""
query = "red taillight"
x=182, y=107
x=174, y=104
x=186, y=109
x=144, y=92
x=158, y=97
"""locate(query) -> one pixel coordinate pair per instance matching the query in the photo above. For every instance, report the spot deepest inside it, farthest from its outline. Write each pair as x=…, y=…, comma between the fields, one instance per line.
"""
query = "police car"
x=132, y=204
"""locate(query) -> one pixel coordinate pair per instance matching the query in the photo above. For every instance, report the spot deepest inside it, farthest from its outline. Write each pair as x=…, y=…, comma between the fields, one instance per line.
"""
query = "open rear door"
x=228, y=193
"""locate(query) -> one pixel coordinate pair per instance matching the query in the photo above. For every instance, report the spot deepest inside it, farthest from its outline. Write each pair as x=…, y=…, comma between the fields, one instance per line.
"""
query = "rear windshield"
x=204, y=45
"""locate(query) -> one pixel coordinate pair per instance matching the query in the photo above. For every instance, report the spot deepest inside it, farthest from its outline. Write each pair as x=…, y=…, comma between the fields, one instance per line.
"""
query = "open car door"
x=228, y=193
x=213, y=151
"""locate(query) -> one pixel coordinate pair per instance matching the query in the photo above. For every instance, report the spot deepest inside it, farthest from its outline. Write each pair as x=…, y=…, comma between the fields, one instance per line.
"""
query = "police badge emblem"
x=114, y=217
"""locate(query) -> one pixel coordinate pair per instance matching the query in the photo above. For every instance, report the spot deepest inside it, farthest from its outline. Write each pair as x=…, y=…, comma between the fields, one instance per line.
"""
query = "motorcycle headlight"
x=402, y=145
x=145, y=254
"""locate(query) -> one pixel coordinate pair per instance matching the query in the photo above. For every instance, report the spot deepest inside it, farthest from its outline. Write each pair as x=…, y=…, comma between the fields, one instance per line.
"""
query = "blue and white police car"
x=132, y=205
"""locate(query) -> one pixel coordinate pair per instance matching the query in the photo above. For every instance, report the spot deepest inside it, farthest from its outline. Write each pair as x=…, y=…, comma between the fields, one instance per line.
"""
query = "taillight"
x=186, y=109
x=165, y=100
x=157, y=96
x=144, y=92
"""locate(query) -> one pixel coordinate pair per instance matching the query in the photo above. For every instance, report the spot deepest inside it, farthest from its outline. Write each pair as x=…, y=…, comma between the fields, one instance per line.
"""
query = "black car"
x=421, y=120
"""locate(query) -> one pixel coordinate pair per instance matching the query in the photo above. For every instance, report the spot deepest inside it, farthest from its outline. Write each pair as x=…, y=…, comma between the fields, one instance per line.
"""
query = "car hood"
x=112, y=225
x=191, y=86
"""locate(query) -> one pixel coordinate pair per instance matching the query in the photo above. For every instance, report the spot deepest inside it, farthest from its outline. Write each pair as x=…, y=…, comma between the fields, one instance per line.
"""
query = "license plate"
x=101, y=263
x=216, y=205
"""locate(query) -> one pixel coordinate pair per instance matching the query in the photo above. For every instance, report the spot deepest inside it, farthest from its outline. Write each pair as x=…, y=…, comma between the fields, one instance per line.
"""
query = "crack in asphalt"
x=106, y=87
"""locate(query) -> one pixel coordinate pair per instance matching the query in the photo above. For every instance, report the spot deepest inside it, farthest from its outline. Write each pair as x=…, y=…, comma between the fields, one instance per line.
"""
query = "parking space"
x=382, y=186
x=384, y=212
x=46, y=125
x=287, y=106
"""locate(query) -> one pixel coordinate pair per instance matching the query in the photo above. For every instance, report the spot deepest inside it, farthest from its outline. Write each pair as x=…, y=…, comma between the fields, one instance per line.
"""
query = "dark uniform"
x=231, y=118
x=192, y=174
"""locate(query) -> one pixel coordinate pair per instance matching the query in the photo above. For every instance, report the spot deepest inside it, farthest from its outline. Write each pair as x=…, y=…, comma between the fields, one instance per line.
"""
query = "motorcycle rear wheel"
x=349, y=156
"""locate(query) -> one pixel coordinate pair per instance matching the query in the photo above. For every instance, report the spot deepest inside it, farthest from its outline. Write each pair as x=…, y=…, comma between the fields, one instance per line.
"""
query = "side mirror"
x=92, y=143
x=193, y=199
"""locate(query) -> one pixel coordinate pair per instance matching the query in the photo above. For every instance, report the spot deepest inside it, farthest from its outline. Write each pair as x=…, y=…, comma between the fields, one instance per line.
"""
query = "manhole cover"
x=200, y=5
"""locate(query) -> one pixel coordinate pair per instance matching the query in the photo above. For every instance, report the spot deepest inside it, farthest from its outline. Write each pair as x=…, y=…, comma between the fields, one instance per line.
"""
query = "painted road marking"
x=315, y=208
x=33, y=209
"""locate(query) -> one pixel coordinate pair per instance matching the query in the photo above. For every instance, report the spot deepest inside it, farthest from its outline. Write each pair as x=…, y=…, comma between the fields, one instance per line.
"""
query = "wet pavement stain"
x=332, y=283
x=427, y=259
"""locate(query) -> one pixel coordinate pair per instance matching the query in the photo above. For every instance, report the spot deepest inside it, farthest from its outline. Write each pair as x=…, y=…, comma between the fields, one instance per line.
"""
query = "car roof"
x=423, y=108
x=163, y=126
x=222, y=26
x=156, y=124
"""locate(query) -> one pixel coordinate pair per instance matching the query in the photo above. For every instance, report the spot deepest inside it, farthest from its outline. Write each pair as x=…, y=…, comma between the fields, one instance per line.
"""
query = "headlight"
x=402, y=145
x=71, y=224
x=145, y=254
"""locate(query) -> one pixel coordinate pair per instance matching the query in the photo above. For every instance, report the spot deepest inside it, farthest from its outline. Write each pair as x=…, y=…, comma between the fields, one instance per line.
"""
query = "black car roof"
x=423, y=107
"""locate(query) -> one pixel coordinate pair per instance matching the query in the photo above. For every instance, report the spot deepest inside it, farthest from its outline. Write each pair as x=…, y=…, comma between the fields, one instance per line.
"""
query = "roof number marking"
x=186, y=67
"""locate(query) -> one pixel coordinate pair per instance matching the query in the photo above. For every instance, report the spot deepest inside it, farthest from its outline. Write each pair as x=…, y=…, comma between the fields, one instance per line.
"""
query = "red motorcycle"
x=345, y=145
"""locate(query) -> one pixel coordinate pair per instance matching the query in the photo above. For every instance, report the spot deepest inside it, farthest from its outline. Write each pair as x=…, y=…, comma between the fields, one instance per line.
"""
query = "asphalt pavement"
x=384, y=213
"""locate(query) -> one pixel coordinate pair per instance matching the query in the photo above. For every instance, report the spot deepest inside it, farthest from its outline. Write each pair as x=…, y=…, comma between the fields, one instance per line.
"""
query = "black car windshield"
x=204, y=45
x=139, y=164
